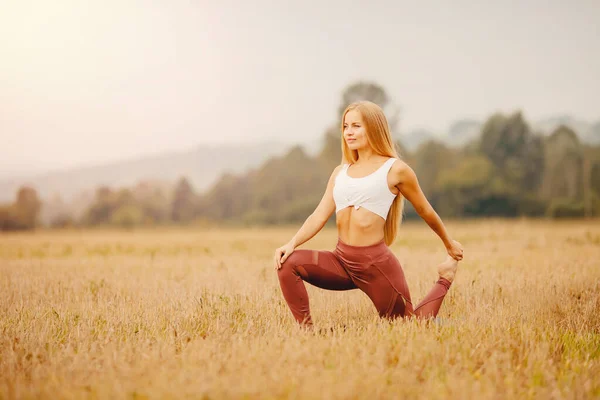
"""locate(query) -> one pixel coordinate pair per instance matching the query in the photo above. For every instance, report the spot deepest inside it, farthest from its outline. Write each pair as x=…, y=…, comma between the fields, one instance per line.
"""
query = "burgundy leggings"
x=374, y=269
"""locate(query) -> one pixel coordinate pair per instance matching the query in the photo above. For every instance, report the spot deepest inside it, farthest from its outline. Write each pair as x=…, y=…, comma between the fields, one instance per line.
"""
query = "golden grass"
x=199, y=314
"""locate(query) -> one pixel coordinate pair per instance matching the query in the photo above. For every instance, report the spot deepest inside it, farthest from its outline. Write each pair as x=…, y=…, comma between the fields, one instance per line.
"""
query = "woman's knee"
x=295, y=260
x=397, y=308
x=298, y=257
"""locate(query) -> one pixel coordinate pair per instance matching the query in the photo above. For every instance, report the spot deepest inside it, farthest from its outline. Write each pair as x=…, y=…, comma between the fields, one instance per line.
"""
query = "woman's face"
x=355, y=133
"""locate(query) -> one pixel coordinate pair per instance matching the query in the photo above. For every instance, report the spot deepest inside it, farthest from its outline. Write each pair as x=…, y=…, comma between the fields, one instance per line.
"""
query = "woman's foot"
x=448, y=268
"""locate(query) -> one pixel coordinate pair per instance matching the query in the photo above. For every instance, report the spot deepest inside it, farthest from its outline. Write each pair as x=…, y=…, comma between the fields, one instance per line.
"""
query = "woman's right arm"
x=317, y=220
x=313, y=224
x=408, y=185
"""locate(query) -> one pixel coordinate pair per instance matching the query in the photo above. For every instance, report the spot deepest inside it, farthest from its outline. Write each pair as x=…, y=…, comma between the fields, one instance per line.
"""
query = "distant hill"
x=587, y=132
x=201, y=165
x=548, y=125
x=462, y=132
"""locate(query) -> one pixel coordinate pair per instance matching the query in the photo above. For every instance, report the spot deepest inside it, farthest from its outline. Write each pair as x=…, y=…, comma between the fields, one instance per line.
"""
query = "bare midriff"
x=359, y=227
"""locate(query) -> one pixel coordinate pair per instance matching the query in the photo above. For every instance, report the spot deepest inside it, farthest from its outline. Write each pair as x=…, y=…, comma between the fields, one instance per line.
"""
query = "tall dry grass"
x=199, y=314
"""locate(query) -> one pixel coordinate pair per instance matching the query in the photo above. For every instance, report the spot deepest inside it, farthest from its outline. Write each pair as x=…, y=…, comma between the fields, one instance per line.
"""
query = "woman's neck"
x=366, y=155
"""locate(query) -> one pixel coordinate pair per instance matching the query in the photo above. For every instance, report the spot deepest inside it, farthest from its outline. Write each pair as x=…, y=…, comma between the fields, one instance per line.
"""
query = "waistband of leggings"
x=372, y=248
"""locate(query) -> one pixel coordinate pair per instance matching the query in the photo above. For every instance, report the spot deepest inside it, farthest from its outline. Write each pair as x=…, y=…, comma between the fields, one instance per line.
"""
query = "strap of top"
x=390, y=162
x=384, y=168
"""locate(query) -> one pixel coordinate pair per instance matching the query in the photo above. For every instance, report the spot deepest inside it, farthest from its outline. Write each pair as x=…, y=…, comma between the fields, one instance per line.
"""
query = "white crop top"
x=371, y=191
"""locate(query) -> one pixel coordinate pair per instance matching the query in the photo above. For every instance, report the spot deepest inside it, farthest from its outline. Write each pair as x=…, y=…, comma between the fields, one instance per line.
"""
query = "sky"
x=89, y=82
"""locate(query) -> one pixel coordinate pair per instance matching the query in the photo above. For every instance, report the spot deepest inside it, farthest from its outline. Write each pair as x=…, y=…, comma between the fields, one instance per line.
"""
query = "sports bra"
x=371, y=191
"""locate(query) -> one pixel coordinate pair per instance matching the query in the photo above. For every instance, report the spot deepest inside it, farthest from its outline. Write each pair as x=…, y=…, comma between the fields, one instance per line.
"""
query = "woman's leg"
x=430, y=305
x=384, y=282
x=319, y=268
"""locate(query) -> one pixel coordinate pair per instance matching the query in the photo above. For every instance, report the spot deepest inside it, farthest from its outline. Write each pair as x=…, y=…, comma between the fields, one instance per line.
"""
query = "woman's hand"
x=282, y=253
x=455, y=250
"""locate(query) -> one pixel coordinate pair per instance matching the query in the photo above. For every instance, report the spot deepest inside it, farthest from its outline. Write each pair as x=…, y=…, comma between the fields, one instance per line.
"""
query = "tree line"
x=507, y=171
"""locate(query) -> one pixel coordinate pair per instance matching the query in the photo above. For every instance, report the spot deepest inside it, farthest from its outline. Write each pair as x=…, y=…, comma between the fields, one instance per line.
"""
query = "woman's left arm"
x=408, y=185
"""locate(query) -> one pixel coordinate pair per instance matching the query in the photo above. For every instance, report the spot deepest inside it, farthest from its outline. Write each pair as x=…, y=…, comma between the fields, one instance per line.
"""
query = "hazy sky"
x=83, y=82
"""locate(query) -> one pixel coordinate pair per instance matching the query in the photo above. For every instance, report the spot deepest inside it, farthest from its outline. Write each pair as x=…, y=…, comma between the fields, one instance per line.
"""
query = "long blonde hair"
x=380, y=140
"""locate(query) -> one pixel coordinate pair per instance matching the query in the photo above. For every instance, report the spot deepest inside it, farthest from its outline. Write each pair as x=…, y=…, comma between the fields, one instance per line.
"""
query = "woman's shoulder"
x=334, y=174
x=398, y=165
x=337, y=169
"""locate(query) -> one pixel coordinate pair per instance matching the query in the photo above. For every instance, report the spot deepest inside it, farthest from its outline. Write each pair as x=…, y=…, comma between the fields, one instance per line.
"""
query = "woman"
x=367, y=193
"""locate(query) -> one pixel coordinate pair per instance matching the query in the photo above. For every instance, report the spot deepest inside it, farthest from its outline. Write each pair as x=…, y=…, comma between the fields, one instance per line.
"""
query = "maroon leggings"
x=374, y=269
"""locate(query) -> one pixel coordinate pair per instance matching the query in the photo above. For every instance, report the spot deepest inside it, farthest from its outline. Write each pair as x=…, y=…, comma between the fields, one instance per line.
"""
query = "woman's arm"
x=408, y=185
x=315, y=221
x=313, y=224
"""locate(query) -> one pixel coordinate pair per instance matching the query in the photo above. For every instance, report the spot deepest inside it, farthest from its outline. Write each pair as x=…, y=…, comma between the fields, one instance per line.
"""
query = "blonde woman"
x=366, y=192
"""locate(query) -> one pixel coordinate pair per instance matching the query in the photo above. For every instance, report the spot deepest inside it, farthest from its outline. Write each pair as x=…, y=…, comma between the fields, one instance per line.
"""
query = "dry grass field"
x=192, y=313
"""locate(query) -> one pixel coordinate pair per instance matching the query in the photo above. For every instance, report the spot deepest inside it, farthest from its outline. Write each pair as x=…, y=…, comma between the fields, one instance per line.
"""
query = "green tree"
x=23, y=213
x=127, y=216
x=595, y=177
x=469, y=187
x=363, y=91
x=183, y=207
x=27, y=207
x=429, y=160
x=373, y=92
x=283, y=189
x=517, y=154
x=331, y=153
x=564, y=171
x=227, y=199
x=8, y=218
x=101, y=210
